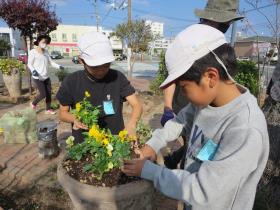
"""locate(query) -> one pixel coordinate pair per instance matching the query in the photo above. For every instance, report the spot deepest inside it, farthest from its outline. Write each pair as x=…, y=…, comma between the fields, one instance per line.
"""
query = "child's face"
x=201, y=94
x=98, y=72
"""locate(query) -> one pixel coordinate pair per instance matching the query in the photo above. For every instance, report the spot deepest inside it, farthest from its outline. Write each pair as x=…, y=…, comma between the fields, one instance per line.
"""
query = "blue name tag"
x=208, y=151
x=108, y=107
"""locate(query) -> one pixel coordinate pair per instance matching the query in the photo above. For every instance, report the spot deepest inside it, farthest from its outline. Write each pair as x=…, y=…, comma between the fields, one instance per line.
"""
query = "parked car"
x=75, y=60
x=120, y=57
x=56, y=55
x=22, y=57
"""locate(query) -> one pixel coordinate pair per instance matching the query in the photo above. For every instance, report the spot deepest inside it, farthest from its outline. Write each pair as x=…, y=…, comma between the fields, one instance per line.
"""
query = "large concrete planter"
x=131, y=196
x=13, y=83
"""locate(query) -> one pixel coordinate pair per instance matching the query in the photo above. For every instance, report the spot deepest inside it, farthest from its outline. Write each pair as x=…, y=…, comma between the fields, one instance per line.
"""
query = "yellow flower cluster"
x=123, y=135
x=1, y=130
x=95, y=132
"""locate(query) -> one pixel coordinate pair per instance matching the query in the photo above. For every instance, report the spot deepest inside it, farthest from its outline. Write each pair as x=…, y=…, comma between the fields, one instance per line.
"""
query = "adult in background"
x=38, y=63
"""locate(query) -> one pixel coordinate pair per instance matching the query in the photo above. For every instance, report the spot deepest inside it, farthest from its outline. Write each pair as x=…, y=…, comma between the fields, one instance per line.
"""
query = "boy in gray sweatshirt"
x=228, y=147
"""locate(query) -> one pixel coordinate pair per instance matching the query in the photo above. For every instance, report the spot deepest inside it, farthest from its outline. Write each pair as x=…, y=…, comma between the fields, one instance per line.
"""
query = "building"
x=249, y=47
x=65, y=38
x=157, y=28
x=12, y=37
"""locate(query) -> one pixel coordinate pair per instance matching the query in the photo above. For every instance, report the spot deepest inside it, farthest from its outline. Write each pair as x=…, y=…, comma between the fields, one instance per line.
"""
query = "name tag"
x=208, y=151
x=108, y=106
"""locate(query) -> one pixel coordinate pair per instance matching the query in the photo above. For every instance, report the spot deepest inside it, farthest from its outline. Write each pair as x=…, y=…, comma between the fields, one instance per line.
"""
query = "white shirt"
x=40, y=62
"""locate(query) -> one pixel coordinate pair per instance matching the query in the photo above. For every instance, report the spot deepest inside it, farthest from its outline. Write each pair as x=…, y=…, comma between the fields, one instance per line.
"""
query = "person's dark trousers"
x=171, y=161
x=45, y=91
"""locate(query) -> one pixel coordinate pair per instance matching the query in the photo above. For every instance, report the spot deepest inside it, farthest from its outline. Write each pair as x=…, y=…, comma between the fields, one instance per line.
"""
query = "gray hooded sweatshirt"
x=227, y=154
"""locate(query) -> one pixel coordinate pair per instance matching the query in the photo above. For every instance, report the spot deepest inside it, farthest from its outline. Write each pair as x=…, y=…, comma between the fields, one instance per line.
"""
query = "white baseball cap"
x=95, y=49
x=190, y=45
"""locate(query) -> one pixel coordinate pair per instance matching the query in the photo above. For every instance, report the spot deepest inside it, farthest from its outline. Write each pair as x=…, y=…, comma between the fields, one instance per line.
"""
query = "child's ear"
x=213, y=76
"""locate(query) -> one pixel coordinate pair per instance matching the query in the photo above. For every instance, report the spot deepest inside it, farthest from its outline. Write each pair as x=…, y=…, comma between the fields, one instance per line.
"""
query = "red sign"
x=63, y=44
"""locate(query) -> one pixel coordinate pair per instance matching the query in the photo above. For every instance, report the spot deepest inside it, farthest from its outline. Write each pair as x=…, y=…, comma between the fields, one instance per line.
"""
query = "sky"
x=175, y=14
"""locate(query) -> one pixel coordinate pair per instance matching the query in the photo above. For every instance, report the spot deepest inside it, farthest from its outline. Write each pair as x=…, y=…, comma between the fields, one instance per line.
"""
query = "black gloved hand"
x=61, y=67
x=167, y=115
x=35, y=73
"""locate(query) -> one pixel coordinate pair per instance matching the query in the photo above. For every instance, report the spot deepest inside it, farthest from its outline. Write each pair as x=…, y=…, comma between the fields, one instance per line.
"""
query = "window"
x=53, y=36
x=5, y=37
x=64, y=37
x=74, y=37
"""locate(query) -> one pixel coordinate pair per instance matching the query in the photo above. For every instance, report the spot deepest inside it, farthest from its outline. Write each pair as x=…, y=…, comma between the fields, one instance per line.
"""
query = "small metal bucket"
x=47, y=139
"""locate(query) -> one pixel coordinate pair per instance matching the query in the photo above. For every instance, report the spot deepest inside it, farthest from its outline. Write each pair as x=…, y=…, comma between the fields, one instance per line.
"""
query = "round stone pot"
x=13, y=83
x=132, y=196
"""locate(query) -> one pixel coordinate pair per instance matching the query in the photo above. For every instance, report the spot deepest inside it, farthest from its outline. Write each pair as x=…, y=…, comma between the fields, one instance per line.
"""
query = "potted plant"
x=91, y=173
x=11, y=70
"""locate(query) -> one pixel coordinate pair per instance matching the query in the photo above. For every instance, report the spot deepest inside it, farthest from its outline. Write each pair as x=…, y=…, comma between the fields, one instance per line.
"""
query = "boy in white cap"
x=105, y=85
x=219, y=14
x=228, y=147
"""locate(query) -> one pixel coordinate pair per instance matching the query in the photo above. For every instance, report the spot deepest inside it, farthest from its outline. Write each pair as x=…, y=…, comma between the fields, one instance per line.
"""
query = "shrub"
x=248, y=76
x=161, y=75
x=7, y=65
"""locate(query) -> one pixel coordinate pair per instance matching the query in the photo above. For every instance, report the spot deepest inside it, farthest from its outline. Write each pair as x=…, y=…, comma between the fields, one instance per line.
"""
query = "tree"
x=29, y=17
x=137, y=36
x=4, y=47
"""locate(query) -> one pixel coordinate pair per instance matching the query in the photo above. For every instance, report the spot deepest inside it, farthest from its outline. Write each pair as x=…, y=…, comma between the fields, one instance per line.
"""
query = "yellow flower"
x=123, y=135
x=105, y=141
x=95, y=133
x=132, y=138
x=110, y=166
x=78, y=107
x=109, y=153
x=109, y=149
x=87, y=94
x=1, y=130
x=70, y=141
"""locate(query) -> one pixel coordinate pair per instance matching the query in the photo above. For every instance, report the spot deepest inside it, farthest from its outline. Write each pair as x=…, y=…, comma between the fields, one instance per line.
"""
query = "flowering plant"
x=102, y=150
x=86, y=112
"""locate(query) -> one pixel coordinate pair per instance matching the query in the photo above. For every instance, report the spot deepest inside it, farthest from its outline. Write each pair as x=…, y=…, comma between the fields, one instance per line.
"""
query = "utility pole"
x=129, y=12
x=233, y=33
x=129, y=51
x=96, y=14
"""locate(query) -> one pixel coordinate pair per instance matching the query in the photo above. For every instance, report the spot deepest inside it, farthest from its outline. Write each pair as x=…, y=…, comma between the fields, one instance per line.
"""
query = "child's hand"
x=148, y=153
x=134, y=167
x=78, y=125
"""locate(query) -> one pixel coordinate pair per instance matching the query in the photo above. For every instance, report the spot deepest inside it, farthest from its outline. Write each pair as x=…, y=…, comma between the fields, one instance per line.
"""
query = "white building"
x=157, y=28
x=14, y=39
x=65, y=38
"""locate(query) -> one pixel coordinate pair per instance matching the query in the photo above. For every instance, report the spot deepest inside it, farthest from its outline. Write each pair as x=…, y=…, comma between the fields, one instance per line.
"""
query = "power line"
x=262, y=7
x=163, y=16
x=106, y=15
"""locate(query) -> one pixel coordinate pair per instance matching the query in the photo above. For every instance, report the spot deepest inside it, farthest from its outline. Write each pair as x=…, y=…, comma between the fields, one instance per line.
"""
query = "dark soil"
x=110, y=179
